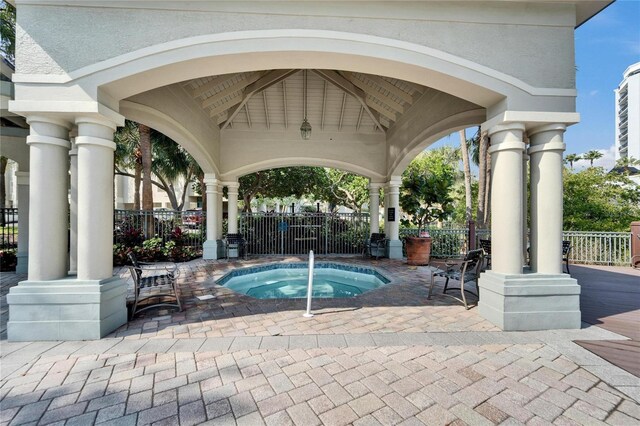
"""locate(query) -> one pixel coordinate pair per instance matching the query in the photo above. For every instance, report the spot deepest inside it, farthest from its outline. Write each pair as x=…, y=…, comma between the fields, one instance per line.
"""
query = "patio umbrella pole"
x=308, y=314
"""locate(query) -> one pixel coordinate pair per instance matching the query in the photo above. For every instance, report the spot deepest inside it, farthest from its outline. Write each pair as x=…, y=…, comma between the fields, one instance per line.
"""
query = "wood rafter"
x=324, y=104
x=235, y=87
x=210, y=85
x=384, y=84
x=359, y=118
x=385, y=99
x=345, y=85
x=266, y=108
x=390, y=115
x=224, y=107
x=284, y=100
x=263, y=83
x=344, y=103
x=246, y=111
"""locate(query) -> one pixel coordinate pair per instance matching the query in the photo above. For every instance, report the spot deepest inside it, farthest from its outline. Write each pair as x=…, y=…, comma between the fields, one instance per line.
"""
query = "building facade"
x=628, y=114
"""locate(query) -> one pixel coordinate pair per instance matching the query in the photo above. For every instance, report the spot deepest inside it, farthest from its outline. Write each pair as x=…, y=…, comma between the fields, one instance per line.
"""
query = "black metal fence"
x=132, y=227
x=8, y=228
x=298, y=233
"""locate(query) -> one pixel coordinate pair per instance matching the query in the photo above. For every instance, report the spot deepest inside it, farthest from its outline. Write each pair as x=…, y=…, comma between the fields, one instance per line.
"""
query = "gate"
x=298, y=233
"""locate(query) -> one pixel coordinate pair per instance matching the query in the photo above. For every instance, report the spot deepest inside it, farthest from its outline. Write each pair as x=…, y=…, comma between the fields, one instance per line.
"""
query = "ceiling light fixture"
x=305, y=128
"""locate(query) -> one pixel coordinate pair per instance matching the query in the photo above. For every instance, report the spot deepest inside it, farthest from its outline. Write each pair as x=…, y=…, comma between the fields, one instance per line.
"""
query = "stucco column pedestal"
x=211, y=245
x=395, y=245
x=220, y=202
x=509, y=298
x=22, y=180
x=73, y=208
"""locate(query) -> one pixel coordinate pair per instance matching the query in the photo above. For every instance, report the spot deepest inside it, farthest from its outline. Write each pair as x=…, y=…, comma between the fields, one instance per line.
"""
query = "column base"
x=66, y=309
x=22, y=267
x=394, y=249
x=213, y=249
x=530, y=301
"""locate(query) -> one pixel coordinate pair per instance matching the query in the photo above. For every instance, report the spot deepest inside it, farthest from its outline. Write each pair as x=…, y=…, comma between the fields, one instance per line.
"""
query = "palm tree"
x=479, y=154
x=464, y=151
x=572, y=158
x=592, y=155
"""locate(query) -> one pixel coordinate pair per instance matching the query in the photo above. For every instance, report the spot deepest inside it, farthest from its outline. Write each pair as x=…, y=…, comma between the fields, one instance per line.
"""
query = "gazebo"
x=232, y=82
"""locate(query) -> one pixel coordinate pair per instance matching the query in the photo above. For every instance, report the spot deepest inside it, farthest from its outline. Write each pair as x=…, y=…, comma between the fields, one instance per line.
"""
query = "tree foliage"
x=338, y=187
x=8, y=31
x=169, y=161
x=598, y=201
x=425, y=195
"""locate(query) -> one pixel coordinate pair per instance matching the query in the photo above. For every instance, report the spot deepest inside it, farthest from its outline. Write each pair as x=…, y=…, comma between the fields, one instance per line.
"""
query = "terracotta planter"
x=418, y=250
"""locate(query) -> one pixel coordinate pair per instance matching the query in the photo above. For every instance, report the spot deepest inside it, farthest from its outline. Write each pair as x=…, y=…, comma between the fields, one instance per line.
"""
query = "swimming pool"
x=290, y=280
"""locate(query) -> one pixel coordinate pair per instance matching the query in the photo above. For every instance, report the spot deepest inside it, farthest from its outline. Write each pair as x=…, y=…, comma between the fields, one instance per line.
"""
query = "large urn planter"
x=418, y=250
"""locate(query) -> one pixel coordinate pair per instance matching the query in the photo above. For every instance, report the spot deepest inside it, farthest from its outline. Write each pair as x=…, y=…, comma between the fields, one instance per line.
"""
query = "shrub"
x=8, y=260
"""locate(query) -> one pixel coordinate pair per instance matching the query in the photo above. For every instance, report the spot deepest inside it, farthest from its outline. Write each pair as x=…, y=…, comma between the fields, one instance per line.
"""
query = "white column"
x=48, y=205
x=525, y=208
x=95, y=198
x=73, y=208
x=374, y=207
x=506, y=197
x=219, y=205
x=546, y=151
x=386, y=204
x=395, y=245
x=210, y=246
x=22, y=181
x=232, y=194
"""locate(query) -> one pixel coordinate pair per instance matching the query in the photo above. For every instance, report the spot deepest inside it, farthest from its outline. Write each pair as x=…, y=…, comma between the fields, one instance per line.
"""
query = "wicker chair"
x=153, y=282
x=466, y=271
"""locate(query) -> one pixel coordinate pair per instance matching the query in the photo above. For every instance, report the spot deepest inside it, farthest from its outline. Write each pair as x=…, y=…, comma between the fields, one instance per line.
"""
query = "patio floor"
x=388, y=357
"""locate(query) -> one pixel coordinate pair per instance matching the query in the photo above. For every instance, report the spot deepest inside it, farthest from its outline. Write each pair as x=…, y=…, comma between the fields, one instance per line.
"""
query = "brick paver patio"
x=389, y=357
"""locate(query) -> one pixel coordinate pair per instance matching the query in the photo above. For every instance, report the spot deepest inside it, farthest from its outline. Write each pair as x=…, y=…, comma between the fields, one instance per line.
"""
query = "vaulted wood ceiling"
x=336, y=100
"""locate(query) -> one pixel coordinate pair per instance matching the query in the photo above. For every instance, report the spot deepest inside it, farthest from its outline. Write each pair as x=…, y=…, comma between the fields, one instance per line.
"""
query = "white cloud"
x=607, y=161
x=593, y=92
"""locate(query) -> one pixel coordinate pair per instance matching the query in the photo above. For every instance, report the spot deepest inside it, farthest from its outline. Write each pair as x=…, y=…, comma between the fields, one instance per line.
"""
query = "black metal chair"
x=375, y=246
x=153, y=281
x=485, y=245
x=566, y=248
x=466, y=271
x=236, y=242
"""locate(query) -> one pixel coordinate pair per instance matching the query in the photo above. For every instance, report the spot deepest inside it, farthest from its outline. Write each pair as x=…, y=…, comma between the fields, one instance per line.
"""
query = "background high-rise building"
x=628, y=114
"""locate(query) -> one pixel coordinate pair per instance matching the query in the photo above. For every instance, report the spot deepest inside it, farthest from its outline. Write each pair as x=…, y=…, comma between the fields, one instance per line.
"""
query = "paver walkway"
x=233, y=368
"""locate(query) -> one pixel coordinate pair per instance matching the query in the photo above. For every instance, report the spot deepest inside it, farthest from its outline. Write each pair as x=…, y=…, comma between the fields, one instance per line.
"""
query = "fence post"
x=471, y=237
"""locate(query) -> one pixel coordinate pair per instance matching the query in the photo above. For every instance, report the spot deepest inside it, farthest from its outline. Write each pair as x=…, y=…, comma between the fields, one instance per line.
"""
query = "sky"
x=605, y=46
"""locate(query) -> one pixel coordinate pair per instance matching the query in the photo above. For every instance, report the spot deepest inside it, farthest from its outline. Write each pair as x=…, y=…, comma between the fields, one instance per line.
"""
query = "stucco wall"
x=532, y=42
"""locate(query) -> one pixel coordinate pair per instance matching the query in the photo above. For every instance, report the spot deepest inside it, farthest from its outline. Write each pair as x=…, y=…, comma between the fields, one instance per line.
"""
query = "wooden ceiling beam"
x=224, y=107
x=382, y=110
x=345, y=85
x=385, y=99
x=210, y=85
x=264, y=82
x=235, y=87
x=394, y=90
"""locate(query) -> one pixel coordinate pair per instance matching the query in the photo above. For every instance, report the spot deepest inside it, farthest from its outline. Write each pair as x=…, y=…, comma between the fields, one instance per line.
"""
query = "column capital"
x=506, y=127
x=394, y=181
x=98, y=119
x=231, y=186
x=375, y=186
x=22, y=178
x=93, y=141
x=49, y=120
x=48, y=140
x=551, y=127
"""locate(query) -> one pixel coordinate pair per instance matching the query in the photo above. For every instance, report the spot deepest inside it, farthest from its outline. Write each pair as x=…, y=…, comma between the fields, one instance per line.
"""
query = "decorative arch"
x=242, y=51
x=301, y=161
x=431, y=134
x=172, y=128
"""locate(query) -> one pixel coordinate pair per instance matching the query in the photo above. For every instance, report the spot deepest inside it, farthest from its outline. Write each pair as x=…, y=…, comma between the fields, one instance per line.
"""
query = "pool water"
x=291, y=283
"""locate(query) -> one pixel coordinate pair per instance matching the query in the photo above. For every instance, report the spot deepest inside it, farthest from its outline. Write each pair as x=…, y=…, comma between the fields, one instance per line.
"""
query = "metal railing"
x=299, y=233
x=599, y=248
x=8, y=228
x=132, y=227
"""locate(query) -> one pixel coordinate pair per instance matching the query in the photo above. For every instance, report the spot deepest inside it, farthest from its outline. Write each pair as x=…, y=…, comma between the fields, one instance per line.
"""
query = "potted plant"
x=424, y=198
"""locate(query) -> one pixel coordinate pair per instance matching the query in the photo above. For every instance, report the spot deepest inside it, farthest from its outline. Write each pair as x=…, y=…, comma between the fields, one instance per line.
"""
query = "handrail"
x=308, y=314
